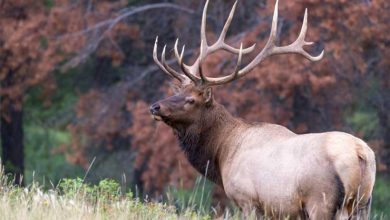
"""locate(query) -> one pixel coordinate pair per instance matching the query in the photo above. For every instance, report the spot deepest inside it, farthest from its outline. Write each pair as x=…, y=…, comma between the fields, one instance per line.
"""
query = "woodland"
x=77, y=78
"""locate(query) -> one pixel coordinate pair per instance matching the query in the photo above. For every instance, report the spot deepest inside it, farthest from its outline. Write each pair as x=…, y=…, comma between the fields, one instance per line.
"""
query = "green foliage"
x=71, y=187
x=45, y=130
x=44, y=43
x=362, y=115
x=59, y=112
x=48, y=3
x=381, y=199
x=198, y=198
x=365, y=122
x=132, y=2
x=72, y=200
x=41, y=162
x=10, y=167
x=107, y=190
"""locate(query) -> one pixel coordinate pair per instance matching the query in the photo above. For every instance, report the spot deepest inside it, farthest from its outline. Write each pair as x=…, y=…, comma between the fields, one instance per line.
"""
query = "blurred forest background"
x=77, y=77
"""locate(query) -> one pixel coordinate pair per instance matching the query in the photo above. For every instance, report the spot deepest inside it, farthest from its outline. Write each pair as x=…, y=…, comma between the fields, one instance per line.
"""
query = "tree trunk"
x=137, y=178
x=12, y=144
x=11, y=130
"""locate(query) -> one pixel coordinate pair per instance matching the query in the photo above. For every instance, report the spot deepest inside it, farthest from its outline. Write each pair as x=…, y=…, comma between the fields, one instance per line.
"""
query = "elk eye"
x=190, y=100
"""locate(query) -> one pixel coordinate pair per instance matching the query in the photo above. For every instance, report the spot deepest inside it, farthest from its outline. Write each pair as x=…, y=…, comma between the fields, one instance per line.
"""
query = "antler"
x=164, y=66
x=190, y=72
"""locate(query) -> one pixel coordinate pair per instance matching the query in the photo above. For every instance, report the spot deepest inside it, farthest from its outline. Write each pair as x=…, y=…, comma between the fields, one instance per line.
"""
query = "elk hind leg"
x=325, y=204
x=361, y=212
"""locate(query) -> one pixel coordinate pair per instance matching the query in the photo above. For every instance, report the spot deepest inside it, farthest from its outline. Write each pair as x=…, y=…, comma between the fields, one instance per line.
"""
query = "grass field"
x=73, y=199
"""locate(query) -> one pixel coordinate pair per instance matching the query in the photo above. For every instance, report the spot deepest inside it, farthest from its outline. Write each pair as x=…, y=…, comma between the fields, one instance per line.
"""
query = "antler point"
x=321, y=54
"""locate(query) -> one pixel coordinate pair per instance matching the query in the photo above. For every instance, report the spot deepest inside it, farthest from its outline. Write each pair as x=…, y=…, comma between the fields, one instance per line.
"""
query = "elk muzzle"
x=155, y=111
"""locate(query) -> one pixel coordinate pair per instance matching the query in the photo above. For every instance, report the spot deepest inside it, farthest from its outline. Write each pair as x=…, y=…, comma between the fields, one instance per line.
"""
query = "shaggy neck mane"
x=206, y=142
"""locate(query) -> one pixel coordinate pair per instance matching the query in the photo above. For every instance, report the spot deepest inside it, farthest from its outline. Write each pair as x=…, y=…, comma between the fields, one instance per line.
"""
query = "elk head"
x=195, y=94
x=185, y=107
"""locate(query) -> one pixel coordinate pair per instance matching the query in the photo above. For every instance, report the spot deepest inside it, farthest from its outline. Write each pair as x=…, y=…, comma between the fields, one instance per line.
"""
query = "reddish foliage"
x=288, y=90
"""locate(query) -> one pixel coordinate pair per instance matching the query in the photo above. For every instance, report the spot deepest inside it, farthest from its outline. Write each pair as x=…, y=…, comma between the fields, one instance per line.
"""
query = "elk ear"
x=208, y=96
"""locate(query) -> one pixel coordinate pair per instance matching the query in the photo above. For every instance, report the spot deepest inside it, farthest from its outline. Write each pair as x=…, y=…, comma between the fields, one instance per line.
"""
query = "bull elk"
x=264, y=167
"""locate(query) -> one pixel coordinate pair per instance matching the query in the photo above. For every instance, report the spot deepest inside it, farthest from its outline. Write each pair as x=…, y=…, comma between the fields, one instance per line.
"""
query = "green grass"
x=75, y=199
x=199, y=198
x=380, y=208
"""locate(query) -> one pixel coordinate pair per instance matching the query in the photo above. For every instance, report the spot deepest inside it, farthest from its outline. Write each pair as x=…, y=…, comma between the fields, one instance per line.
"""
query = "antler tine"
x=155, y=57
x=191, y=76
x=164, y=62
x=296, y=47
x=186, y=69
x=270, y=45
x=203, y=78
x=301, y=41
x=227, y=23
x=203, y=38
x=164, y=66
x=161, y=65
x=231, y=77
x=205, y=50
x=271, y=49
x=274, y=26
x=235, y=73
x=220, y=44
x=176, y=50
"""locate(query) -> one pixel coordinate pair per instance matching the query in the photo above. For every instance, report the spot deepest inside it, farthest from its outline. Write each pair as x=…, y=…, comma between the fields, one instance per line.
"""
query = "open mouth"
x=157, y=117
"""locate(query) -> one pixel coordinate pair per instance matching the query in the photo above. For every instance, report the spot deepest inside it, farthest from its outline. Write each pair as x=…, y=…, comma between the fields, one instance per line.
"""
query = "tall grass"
x=381, y=198
x=74, y=199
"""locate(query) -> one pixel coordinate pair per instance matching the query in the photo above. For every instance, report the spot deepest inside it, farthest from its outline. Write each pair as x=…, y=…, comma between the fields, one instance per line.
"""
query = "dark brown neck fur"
x=206, y=143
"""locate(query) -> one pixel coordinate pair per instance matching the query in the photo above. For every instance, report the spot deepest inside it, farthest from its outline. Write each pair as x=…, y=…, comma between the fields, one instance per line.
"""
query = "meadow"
x=77, y=79
x=75, y=199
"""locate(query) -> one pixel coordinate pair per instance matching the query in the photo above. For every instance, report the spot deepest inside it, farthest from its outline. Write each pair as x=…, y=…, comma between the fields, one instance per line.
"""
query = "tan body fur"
x=281, y=173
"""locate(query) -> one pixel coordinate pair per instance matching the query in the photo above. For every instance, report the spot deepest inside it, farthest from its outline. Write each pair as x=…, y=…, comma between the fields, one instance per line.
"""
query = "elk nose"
x=154, y=108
